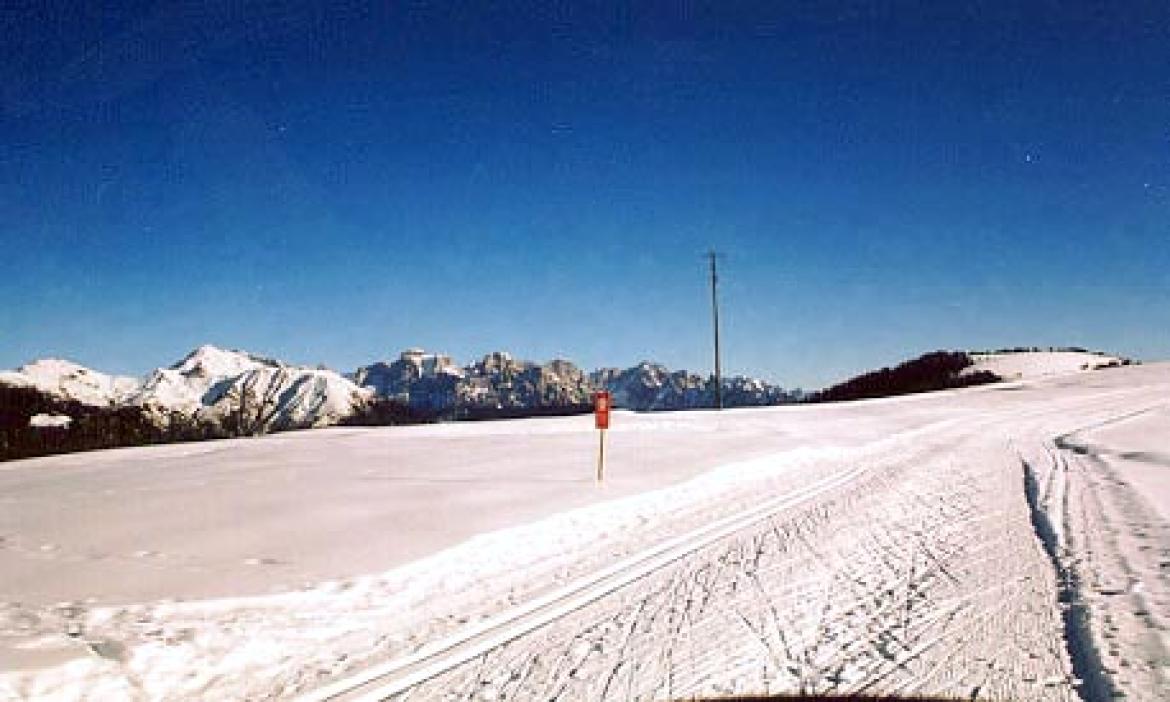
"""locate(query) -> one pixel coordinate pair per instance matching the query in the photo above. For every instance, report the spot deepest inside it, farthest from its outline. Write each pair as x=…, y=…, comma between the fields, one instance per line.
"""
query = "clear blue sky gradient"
x=334, y=185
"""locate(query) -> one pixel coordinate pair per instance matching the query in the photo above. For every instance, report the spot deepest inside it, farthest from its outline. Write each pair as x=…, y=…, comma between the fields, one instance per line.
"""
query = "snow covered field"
x=1034, y=364
x=1007, y=541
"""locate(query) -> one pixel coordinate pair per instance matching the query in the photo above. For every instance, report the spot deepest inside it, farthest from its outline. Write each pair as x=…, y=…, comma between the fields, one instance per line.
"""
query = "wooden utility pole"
x=712, y=255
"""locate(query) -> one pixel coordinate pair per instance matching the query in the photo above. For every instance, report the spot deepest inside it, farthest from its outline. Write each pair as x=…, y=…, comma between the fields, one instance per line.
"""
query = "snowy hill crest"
x=248, y=394
x=71, y=381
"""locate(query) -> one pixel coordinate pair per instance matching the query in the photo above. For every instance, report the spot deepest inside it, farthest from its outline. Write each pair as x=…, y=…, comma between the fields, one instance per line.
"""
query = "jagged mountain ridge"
x=432, y=382
x=243, y=393
x=185, y=385
x=219, y=392
x=222, y=392
x=651, y=386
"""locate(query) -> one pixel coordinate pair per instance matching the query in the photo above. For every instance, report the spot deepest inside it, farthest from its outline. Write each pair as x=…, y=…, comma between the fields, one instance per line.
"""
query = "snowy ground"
x=261, y=568
x=1106, y=496
x=1035, y=364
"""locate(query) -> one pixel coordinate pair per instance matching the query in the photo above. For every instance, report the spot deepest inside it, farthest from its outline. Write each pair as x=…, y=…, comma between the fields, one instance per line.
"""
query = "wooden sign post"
x=601, y=405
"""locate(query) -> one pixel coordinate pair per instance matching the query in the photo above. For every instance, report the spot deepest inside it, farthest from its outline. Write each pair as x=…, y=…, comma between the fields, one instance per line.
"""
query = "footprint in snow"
x=261, y=561
x=105, y=648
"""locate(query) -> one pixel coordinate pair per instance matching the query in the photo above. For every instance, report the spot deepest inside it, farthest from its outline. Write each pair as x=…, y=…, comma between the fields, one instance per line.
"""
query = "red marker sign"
x=601, y=405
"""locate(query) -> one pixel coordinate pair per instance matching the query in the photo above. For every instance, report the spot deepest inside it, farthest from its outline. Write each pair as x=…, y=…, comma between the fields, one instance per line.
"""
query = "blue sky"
x=334, y=185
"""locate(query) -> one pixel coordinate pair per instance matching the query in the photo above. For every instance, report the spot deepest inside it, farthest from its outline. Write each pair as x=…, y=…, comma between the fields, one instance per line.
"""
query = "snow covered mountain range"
x=231, y=393
x=433, y=382
x=227, y=392
x=247, y=393
x=218, y=392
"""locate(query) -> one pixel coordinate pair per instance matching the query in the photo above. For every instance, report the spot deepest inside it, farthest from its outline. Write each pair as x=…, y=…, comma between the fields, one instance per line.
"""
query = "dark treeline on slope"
x=485, y=413
x=384, y=412
x=90, y=427
x=938, y=370
x=387, y=412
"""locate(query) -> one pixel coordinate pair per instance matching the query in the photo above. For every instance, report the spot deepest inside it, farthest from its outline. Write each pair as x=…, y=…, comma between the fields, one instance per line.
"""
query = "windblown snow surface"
x=1006, y=542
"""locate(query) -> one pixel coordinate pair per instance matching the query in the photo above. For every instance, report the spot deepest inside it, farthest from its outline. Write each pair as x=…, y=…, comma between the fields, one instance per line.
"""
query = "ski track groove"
x=892, y=615
x=499, y=630
x=1113, y=549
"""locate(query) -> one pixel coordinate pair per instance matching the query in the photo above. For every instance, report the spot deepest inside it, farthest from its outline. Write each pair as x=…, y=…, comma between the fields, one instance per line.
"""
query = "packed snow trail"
x=499, y=630
x=881, y=584
x=1105, y=498
x=920, y=571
